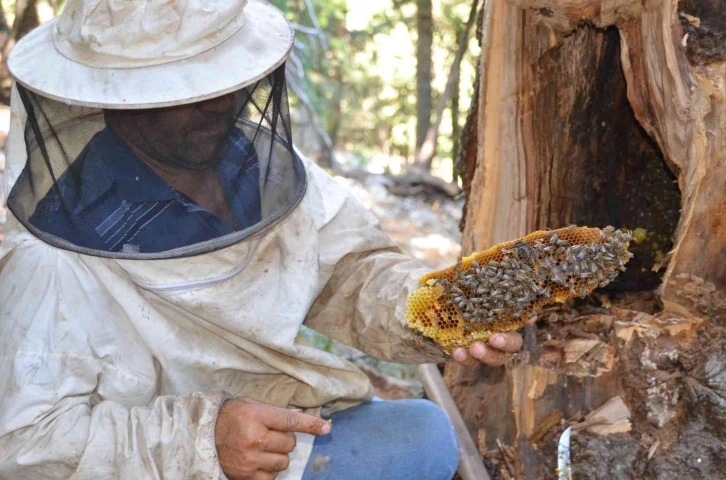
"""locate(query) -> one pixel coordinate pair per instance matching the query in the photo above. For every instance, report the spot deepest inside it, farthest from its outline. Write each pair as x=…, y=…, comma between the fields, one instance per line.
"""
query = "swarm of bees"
x=498, y=289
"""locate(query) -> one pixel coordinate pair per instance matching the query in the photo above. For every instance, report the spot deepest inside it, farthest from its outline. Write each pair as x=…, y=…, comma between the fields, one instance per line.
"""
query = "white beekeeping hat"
x=130, y=54
x=98, y=85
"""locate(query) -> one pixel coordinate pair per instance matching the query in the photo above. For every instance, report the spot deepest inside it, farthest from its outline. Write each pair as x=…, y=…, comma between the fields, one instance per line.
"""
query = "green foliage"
x=360, y=74
x=363, y=86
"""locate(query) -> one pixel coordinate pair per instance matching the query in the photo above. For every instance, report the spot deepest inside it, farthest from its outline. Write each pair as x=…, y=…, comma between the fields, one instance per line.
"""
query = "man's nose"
x=217, y=105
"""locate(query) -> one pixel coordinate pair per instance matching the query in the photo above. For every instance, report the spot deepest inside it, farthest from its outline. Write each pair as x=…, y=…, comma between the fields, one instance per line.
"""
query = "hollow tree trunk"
x=597, y=113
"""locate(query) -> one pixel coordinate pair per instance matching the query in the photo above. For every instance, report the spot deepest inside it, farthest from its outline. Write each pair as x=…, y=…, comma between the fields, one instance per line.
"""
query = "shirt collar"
x=107, y=162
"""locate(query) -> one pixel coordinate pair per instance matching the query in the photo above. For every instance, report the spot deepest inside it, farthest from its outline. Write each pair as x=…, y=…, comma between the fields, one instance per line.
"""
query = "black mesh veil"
x=158, y=183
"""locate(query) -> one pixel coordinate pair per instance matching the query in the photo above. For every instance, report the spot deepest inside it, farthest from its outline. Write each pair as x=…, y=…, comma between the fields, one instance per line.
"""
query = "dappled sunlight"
x=363, y=88
x=434, y=245
x=427, y=231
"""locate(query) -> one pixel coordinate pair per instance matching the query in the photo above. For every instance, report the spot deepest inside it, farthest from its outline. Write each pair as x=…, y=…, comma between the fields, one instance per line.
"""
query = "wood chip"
x=645, y=324
x=505, y=457
x=575, y=349
x=576, y=427
x=605, y=356
x=678, y=326
x=573, y=419
x=481, y=441
x=577, y=332
x=600, y=322
x=612, y=417
x=653, y=449
x=695, y=21
x=625, y=331
x=550, y=358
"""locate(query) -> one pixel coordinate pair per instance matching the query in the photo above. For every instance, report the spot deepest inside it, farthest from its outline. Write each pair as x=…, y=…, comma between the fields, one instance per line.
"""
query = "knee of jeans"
x=439, y=448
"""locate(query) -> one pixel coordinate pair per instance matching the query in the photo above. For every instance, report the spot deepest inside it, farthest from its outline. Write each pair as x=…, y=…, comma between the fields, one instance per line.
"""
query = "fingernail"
x=497, y=341
x=478, y=350
x=296, y=409
x=459, y=355
x=325, y=429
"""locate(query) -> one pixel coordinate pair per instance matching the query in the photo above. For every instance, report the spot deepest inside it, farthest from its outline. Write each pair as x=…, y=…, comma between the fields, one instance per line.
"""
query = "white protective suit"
x=117, y=368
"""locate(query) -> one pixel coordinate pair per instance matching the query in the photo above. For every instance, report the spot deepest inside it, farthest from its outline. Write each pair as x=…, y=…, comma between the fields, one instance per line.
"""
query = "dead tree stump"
x=606, y=113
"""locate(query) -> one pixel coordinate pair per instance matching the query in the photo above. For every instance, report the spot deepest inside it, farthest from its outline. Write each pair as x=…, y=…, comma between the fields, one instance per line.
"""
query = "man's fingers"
x=291, y=421
x=509, y=342
x=462, y=357
x=273, y=462
x=487, y=355
x=278, y=442
x=260, y=475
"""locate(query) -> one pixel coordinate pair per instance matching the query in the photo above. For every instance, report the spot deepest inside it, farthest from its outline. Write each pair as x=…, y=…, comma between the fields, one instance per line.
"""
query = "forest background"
x=366, y=78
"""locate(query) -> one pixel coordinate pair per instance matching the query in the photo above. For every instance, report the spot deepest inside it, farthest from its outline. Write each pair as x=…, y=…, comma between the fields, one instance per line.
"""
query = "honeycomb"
x=498, y=289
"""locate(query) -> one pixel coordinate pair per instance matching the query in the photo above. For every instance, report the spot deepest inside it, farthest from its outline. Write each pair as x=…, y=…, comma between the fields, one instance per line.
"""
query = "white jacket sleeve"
x=365, y=279
x=76, y=400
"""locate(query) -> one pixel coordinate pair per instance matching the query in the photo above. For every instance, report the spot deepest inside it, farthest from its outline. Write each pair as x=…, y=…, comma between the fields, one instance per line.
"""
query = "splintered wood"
x=612, y=417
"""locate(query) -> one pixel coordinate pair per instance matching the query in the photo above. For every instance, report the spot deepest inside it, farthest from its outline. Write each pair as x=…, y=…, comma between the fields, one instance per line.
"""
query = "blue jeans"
x=386, y=440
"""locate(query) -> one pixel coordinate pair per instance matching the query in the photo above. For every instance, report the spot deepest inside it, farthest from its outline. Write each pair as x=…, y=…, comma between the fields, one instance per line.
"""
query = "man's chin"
x=201, y=160
x=199, y=166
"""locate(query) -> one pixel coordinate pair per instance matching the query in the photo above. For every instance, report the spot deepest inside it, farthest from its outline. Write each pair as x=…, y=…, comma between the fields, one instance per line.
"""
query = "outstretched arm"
x=366, y=282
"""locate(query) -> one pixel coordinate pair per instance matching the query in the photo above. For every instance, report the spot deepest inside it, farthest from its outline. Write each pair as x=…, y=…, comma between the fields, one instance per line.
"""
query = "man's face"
x=193, y=136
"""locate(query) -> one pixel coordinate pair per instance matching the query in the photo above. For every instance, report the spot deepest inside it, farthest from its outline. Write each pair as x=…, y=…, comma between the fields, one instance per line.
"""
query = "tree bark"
x=622, y=122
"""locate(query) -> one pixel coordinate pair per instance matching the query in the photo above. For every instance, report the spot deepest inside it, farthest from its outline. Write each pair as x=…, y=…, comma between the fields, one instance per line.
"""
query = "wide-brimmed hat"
x=151, y=53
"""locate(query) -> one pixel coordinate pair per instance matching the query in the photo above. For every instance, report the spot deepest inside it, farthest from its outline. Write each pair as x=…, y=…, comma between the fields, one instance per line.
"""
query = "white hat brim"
x=260, y=46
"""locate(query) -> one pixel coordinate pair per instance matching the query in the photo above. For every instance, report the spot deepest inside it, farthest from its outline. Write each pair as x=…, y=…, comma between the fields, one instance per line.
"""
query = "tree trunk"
x=455, y=128
x=26, y=19
x=601, y=113
x=5, y=81
x=425, y=29
x=426, y=152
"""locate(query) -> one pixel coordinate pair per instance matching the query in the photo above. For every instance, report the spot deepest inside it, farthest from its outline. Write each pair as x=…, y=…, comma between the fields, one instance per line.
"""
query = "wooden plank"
x=470, y=463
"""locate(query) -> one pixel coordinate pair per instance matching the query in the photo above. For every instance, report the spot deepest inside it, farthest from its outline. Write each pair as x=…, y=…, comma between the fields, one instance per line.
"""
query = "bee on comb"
x=498, y=289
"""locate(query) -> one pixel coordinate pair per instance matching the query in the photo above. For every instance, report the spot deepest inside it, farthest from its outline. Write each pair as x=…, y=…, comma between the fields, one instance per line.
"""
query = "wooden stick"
x=471, y=466
x=510, y=470
x=589, y=423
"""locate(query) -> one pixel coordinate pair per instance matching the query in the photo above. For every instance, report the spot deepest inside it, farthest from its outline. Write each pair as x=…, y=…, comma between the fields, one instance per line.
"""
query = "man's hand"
x=493, y=353
x=254, y=439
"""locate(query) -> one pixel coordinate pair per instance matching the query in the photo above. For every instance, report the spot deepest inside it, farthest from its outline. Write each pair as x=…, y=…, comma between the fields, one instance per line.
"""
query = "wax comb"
x=498, y=289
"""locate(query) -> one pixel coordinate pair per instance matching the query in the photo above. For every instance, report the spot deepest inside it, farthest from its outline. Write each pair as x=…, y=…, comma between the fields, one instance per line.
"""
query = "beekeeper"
x=164, y=245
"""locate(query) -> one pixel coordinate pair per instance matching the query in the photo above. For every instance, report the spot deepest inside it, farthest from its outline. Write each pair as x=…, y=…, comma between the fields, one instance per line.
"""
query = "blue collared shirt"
x=110, y=200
